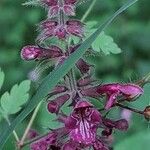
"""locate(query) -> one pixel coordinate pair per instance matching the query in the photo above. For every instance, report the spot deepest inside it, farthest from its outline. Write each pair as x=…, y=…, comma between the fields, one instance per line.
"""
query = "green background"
x=131, y=31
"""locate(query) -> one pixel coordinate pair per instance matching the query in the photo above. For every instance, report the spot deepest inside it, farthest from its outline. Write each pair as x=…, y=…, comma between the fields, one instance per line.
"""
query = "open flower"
x=114, y=90
x=83, y=123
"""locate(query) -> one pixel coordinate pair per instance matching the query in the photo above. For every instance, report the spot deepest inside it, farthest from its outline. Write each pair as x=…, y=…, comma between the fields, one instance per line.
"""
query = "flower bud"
x=83, y=66
x=58, y=89
x=107, y=132
x=85, y=81
x=32, y=134
x=54, y=105
x=147, y=113
x=121, y=124
x=30, y=52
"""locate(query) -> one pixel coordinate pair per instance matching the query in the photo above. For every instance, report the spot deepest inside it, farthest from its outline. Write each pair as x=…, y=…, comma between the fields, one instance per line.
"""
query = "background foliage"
x=131, y=32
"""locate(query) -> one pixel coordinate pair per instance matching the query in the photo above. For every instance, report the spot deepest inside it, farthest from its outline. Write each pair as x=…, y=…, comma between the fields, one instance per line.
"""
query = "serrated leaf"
x=11, y=102
x=2, y=76
x=52, y=79
x=105, y=44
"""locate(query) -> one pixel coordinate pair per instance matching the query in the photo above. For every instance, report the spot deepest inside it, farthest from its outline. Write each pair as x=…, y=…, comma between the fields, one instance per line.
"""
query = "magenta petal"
x=71, y=123
x=53, y=52
x=69, y=10
x=108, y=88
x=82, y=104
x=98, y=145
x=47, y=29
x=44, y=142
x=41, y=145
x=54, y=105
x=32, y=134
x=48, y=24
x=111, y=101
x=107, y=132
x=85, y=81
x=131, y=90
x=87, y=119
x=85, y=133
x=96, y=117
x=58, y=89
x=108, y=123
x=75, y=27
x=31, y=52
x=91, y=92
x=53, y=11
x=83, y=66
x=121, y=124
x=70, y=146
x=61, y=32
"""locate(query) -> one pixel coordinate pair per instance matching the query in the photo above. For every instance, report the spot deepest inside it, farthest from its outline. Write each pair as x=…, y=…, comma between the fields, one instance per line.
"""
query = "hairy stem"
x=29, y=124
x=88, y=11
x=129, y=108
x=14, y=132
x=33, y=140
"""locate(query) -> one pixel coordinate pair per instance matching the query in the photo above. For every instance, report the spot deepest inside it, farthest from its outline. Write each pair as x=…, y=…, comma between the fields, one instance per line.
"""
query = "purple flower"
x=86, y=81
x=90, y=91
x=55, y=54
x=54, y=7
x=99, y=145
x=45, y=142
x=32, y=52
x=121, y=124
x=83, y=66
x=83, y=123
x=114, y=90
x=54, y=105
x=57, y=90
x=70, y=145
x=32, y=134
x=51, y=28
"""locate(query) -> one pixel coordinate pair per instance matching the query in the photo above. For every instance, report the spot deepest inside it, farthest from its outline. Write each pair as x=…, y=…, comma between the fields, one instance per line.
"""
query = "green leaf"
x=11, y=103
x=135, y=142
x=2, y=76
x=105, y=44
x=52, y=79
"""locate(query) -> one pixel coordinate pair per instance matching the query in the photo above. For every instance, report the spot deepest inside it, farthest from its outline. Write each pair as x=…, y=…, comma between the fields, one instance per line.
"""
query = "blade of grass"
x=52, y=79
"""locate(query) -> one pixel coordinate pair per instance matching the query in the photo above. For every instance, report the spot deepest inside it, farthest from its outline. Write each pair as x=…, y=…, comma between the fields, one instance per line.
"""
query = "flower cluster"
x=80, y=129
